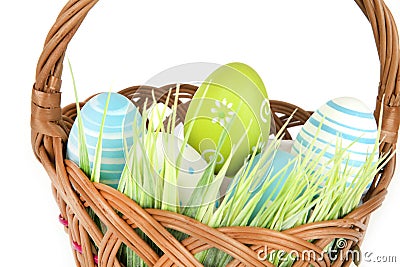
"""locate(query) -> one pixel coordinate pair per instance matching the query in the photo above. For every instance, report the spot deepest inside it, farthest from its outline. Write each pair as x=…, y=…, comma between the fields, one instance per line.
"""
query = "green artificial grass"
x=301, y=200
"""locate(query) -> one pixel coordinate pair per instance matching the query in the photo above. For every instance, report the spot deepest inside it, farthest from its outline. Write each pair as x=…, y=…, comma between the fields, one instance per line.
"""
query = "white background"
x=306, y=51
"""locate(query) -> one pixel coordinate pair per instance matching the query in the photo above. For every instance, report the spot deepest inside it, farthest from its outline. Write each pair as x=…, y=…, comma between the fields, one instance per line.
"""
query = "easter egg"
x=117, y=132
x=348, y=119
x=281, y=160
x=284, y=145
x=185, y=160
x=231, y=103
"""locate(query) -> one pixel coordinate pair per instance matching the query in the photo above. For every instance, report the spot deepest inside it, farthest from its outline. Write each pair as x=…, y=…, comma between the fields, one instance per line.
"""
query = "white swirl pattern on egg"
x=265, y=111
x=209, y=154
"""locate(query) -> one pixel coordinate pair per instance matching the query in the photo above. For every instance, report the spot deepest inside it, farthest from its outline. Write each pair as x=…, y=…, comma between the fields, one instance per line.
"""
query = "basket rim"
x=352, y=227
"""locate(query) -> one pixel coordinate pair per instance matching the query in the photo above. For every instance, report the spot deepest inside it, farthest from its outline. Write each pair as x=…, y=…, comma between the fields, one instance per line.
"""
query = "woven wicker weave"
x=74, y=192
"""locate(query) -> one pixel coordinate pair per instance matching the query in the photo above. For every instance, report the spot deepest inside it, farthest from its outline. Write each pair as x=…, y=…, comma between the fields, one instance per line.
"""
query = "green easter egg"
x=231, y=102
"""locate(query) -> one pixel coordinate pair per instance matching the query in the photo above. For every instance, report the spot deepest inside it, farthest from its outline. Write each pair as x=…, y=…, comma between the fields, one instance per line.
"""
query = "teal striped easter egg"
x=347, y=118
x=120, y=118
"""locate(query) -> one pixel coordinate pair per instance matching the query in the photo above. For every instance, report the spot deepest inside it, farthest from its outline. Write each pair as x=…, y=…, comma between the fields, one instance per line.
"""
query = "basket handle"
x=46, y=113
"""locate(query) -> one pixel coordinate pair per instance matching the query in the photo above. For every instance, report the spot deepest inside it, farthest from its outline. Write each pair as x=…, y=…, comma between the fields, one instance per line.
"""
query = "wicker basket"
x=74, y=192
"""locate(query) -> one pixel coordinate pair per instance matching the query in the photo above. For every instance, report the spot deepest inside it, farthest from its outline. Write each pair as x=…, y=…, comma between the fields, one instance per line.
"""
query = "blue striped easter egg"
x=344, y=117
x=121, y=115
